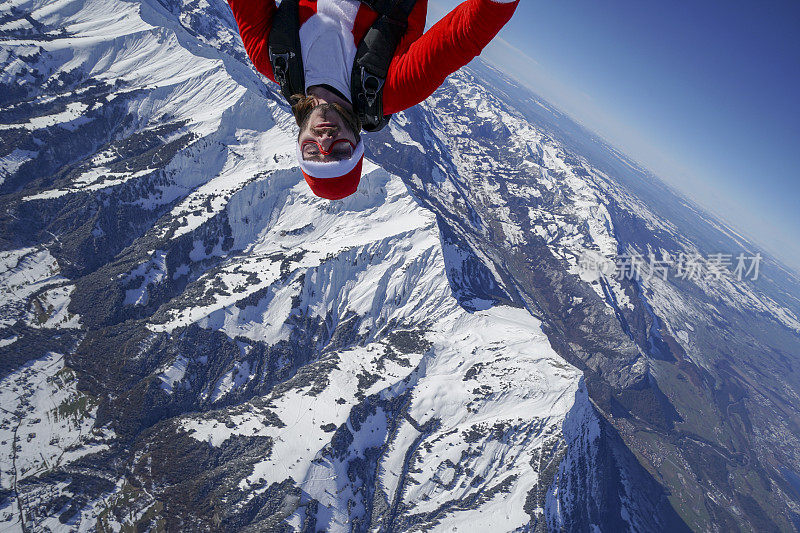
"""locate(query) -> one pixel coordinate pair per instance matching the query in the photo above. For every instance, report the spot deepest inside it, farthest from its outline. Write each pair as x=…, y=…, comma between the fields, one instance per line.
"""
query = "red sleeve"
x=254, y=18
x=449, y=45
x=416, y=25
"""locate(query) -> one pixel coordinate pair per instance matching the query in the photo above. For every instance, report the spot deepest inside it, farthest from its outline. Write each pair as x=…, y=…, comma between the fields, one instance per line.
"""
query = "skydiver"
x=370, y=52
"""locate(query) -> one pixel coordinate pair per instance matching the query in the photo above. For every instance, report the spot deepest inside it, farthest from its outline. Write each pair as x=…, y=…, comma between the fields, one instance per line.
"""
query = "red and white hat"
x=334, y=180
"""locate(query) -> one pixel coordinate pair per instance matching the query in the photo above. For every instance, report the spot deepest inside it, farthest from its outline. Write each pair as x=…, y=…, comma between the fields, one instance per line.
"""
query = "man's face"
x=328, y=128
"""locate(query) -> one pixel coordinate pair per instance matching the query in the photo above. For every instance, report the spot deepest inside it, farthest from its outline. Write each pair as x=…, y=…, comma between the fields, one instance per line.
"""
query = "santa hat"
x=334, y=180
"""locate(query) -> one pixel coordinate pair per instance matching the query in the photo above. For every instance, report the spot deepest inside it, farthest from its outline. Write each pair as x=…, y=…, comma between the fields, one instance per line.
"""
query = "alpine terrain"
x=507, y=328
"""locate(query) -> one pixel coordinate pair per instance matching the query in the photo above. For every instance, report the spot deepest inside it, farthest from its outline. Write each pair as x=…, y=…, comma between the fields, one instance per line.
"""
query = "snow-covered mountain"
x=190, y=340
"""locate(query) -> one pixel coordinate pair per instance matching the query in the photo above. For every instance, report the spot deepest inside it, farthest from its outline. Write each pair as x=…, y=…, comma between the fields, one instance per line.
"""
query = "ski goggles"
x=339, y=150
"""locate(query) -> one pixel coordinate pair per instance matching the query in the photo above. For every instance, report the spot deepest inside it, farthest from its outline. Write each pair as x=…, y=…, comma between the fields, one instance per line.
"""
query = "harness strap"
x=284, y=49
x=382, y=7
x=373, y=57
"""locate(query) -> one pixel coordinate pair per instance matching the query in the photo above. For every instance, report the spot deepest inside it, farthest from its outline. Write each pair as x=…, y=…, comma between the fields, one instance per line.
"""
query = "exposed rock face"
x=190, y=340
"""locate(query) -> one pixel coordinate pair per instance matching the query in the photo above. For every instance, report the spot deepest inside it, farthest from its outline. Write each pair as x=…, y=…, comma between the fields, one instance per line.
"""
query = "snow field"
x=524, y=386
x=33, y=290
x=383, y=260
x=44, y=423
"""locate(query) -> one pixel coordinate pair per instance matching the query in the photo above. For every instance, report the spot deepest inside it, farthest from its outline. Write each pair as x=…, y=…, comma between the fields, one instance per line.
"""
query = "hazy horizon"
x=678, y=89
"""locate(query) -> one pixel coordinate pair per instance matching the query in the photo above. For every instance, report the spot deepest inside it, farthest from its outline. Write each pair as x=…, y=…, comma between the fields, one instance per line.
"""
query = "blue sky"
x=704, y=94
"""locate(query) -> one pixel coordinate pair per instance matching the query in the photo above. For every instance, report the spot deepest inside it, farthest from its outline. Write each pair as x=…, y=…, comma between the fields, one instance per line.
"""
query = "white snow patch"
x=49, y=309
x=45, y=422
x=24, y=273
x=10, y=163
x=8, y=341
x=400, y=135
x=237, y=377
x=173, y=374
x=152, y=272
x=69, y=119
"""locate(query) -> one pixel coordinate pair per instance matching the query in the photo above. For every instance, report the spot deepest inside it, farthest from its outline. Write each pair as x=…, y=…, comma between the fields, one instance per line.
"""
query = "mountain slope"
x=686, y=370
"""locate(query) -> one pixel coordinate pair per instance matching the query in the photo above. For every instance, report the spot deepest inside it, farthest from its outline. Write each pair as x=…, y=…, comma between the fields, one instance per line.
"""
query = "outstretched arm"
x=254, y=18
x=449, y=45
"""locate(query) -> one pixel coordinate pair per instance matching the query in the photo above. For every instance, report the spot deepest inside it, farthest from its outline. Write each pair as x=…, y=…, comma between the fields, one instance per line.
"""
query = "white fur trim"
x=334, y=169
x=328, y=48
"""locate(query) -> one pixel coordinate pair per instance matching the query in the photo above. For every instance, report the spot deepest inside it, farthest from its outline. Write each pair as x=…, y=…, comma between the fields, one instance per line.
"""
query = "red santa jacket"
x=421, y=62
